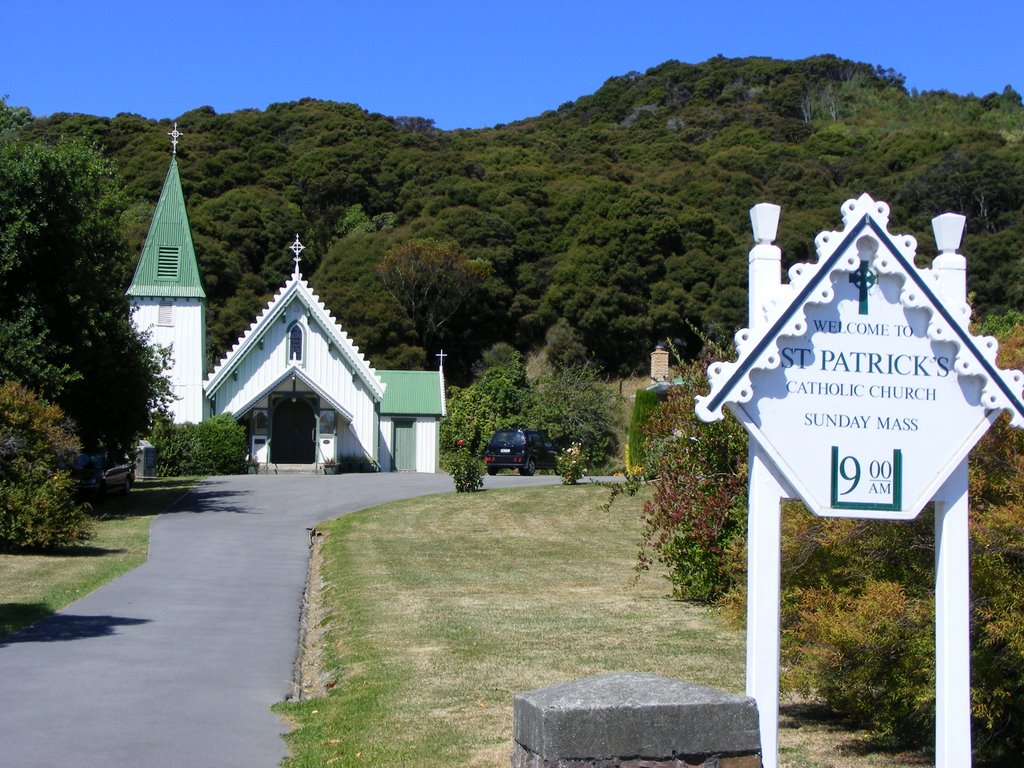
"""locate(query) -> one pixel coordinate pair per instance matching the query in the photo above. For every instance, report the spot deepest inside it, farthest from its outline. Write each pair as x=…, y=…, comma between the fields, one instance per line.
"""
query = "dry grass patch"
x=435, y=612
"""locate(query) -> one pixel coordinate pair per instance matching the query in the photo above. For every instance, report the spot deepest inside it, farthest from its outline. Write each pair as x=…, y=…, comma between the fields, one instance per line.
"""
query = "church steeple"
x=168, y=267
x=167, y=297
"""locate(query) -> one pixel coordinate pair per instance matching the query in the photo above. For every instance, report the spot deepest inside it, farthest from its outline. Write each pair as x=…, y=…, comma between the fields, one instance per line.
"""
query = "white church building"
x=295, y=379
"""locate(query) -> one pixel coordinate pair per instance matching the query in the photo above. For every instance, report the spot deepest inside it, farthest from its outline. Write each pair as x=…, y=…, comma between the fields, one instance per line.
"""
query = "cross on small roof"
x=175, y=135
x=297, y=248
x=441, y=356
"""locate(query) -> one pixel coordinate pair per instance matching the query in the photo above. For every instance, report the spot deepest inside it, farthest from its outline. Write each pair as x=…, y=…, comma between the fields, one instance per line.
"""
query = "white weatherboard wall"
x=183, y=334
x=387, y=439
x=427, y=437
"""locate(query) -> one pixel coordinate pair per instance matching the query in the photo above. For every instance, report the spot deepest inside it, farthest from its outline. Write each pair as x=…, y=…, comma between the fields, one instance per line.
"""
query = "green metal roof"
x=411, y=393
x=167, y=266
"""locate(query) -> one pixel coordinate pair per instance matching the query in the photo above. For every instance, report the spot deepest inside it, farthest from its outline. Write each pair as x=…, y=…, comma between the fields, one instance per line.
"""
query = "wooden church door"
x=292, y=440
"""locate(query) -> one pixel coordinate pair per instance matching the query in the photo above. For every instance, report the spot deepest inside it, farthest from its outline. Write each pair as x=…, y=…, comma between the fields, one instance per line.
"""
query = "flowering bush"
x=632, y=468
x=696, y=515
x=571, y=464
x=466, y=468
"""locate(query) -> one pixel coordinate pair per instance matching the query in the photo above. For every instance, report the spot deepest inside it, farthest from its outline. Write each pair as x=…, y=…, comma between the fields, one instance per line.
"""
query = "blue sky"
x=462, y=64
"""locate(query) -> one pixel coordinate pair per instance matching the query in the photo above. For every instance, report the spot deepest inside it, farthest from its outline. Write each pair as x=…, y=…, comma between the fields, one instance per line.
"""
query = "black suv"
x=524, y=449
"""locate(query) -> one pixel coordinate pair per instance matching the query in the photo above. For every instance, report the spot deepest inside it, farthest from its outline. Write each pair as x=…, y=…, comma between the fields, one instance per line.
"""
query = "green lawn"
x=435, y=612
x=32, y=586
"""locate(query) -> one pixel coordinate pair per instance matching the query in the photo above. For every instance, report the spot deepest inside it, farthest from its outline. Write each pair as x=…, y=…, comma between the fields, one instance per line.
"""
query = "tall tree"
x=431, y=279
x=65, y=330
x=12, y=118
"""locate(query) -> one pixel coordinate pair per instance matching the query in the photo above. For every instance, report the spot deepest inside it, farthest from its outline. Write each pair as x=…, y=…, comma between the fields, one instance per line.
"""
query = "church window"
x=165, y=313
x=167, y=262
x=328, y=422
x=295, y=343
x=259, y=422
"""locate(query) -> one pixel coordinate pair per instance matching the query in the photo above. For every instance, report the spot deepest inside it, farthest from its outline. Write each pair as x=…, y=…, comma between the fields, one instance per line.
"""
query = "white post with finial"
x=764, y=517
x=952, y=550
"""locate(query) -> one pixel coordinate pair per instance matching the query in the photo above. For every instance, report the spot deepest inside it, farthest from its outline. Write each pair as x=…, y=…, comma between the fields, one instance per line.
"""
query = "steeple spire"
x=168, y=267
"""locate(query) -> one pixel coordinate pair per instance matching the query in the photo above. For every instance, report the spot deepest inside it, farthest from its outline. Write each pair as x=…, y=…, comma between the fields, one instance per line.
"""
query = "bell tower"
x=167, y=295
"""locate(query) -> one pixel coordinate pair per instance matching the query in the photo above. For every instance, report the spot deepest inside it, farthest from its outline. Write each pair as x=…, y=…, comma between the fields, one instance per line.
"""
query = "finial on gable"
x=440, y=357
x=297, y=248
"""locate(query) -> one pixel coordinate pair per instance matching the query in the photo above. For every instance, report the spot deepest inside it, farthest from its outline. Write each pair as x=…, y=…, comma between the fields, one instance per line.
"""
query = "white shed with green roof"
x=410, y=420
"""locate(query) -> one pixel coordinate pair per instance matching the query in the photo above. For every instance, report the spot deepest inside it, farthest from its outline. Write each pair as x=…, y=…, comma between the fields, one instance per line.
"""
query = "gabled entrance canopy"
x=298, y=375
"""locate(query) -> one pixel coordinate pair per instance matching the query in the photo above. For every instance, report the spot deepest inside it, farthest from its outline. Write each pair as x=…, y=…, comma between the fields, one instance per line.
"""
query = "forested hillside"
x=623, y=213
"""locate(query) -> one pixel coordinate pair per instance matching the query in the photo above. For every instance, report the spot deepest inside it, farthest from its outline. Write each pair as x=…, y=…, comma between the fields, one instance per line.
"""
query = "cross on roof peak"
x=441, y=356
x=175, y=135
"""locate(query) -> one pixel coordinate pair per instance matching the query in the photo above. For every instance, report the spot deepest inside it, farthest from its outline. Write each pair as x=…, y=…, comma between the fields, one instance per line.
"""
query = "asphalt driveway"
x=178, y=662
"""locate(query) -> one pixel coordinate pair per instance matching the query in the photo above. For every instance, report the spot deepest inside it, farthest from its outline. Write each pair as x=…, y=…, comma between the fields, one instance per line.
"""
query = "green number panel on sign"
x=867, y=482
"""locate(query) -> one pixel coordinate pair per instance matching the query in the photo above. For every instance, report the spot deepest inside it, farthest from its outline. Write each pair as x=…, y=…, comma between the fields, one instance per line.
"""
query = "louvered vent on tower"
x=167, y=262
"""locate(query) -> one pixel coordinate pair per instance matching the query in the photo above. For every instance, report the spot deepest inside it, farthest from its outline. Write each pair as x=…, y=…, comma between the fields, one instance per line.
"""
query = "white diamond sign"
x=863, y=391
x=861, y=385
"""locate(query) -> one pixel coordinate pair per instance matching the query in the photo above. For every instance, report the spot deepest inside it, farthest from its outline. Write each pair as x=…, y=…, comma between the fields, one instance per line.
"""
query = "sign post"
x=863, y=392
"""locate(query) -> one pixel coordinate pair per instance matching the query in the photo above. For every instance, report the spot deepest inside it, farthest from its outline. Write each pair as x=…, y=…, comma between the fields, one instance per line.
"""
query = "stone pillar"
x=659, y=364
x=631, y=720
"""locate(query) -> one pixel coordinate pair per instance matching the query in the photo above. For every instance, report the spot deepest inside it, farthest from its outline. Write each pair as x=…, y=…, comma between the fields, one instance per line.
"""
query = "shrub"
x=37, y=504
x=574, y=406
x=466, y=469
x=858, y=620
x=698, y=509
x=498, y=400
x=572, y=464
x=869, y=655
x=217, y=446
x=644, y=405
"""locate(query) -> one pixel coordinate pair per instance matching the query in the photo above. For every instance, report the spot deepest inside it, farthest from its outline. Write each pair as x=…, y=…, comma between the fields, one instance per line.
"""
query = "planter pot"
x=330, y=469
x=254, y=469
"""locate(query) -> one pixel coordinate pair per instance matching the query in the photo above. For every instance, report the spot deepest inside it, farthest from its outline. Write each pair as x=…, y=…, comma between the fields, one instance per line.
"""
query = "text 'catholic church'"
x=295, y=379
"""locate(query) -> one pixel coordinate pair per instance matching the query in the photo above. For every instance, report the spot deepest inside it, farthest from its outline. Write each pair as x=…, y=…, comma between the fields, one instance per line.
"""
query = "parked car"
x=524, y=449
x=98, y=474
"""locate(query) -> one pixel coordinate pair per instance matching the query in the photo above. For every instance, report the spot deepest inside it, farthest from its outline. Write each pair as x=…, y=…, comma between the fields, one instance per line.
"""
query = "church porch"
x=294, y=428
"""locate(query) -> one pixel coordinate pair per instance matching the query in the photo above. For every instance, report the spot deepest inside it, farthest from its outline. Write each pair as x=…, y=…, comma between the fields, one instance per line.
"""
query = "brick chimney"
x=659, y=363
